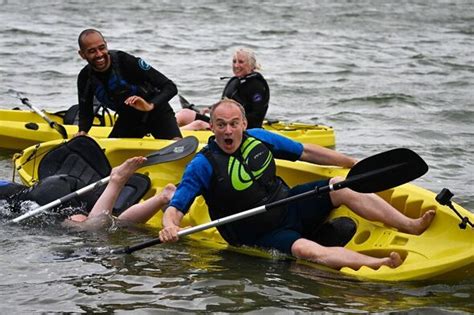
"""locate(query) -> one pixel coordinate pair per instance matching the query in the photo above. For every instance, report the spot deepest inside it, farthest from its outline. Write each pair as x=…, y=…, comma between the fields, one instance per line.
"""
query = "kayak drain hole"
x=32, y=126
x=362, y=237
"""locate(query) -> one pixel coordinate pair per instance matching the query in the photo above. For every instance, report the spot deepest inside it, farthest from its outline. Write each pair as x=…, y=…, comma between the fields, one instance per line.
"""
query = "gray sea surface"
x=384, y=74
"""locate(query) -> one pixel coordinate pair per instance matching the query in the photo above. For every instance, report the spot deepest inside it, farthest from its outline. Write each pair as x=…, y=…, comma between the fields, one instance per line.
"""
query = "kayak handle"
x=444, y=198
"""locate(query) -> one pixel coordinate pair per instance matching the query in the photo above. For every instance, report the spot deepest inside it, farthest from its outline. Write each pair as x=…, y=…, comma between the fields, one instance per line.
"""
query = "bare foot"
x=394, y=260
x=77, y=218
x=74, y=221
x=422, y=223
x=167, y=193
x=83, y=223
x=120, y=174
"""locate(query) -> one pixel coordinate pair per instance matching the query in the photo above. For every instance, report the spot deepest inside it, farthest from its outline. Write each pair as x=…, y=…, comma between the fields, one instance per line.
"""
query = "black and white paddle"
x=373, y=174
x=58, y=127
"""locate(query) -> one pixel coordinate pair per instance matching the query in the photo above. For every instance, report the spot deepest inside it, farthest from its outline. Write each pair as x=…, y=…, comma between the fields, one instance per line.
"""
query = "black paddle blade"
x=175, y=151
x=385, y=170
x=59, y=128
x=184, y=102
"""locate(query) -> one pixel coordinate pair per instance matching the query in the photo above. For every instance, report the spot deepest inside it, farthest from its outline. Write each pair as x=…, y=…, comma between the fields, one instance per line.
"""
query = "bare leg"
x=185, y=116
x=100, y=215
x=338, y=257
x=118, y=177
x=142, y=212
x=374, y=208
x=197, y=125
x=82, y=223
x=186, y=119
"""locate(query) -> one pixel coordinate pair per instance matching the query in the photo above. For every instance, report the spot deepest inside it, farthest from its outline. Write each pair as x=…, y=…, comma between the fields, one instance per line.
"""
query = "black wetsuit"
x=58, y=186
x=253, y=93
x=128, y=76
x=48, y=190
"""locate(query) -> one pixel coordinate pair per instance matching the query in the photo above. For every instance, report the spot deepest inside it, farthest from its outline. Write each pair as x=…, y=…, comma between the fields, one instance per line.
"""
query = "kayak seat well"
x=336, y=232
x=31, y=126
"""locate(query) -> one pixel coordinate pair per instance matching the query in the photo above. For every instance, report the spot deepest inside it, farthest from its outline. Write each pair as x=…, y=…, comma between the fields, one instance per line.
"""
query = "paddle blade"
x=385, y=170
x=175, y=151
x=60, y=128
x=184, y=102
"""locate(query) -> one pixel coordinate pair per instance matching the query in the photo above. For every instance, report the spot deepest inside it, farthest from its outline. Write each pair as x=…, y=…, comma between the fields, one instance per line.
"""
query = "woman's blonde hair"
x=250, y=54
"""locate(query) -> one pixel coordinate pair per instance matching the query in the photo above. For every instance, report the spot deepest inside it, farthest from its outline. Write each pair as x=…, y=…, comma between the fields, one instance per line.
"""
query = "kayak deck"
x=20, y=129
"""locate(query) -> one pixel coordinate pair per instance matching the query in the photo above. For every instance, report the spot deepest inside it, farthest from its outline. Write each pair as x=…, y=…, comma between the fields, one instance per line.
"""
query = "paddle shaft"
x=238, y=216
x=172, y=152
x=51, y=123
x=228, y=219
x=59, y=201
x=235, y=217
x=25, y=101
x=373, y=174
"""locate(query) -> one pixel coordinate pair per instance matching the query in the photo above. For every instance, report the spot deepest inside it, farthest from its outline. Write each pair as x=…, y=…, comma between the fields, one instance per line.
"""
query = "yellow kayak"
x=443, y=251
x=20, y=129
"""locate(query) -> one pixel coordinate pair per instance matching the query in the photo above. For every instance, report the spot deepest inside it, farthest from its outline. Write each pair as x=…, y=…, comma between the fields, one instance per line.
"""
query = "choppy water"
x=385, y=74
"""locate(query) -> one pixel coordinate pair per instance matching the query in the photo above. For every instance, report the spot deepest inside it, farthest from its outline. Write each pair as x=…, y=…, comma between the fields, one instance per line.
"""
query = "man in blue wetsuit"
x=236, y=171
x=128, y=85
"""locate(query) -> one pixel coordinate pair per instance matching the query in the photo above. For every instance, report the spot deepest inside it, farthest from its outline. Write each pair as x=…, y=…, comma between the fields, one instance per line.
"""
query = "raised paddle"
x=185, y=104
x=172, y=152
x=59, y=128
x=373, y=174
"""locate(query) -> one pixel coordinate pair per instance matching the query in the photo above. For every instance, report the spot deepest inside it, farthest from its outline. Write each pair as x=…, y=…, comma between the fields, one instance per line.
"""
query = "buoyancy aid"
x=241, y=181
x=233, y=87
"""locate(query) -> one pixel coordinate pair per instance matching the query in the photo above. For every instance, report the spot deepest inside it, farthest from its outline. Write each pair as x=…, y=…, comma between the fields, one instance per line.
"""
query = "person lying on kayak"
x=247, y=86
x=100, y=216
x=129, y=86
x=236, y=171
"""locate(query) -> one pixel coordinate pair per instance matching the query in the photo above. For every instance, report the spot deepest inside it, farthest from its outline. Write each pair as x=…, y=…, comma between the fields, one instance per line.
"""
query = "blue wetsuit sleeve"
x=282, y=147
x=195, y=180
